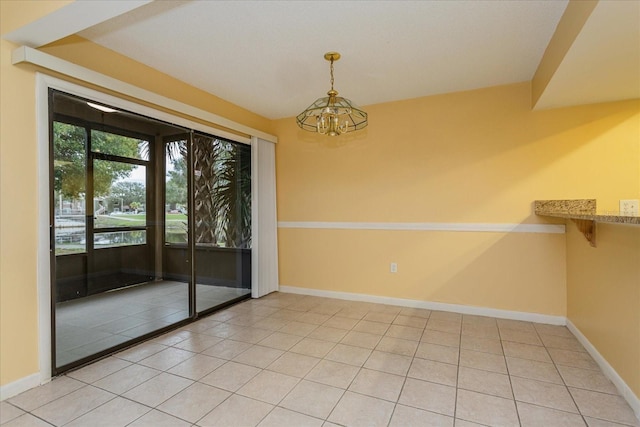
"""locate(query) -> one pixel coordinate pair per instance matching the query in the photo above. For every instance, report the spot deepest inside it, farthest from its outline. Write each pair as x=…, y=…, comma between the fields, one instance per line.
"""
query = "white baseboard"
x=457, y=308
x=607, y=369
x=17, y=387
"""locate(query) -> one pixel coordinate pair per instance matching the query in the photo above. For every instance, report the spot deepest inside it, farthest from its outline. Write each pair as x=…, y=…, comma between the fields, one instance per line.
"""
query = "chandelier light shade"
x=332, y=115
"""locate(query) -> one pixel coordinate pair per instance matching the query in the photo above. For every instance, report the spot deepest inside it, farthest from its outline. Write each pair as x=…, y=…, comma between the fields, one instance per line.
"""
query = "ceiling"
x=267, y=56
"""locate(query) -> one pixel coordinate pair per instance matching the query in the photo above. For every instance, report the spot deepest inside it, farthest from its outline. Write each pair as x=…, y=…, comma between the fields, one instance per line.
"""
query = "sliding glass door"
x=150, y=227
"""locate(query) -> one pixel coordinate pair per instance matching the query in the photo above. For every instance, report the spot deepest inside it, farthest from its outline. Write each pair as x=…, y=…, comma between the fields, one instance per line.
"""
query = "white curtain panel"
x=264, y=222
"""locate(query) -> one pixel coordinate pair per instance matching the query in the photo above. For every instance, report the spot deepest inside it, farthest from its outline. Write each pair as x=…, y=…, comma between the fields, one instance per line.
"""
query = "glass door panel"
x=222, y=221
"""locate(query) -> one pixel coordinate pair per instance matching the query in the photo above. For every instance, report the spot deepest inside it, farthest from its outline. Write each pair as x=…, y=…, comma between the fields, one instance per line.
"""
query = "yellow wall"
x=472, y=157
x=18, y=173
x=603, y=287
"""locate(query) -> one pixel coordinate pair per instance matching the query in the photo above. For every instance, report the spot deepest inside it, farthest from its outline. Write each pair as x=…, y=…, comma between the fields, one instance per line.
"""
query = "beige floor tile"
x=594, y=422
x=139, y=352
x=252, y=335
x=405, y=416
x=485, y=382
x=415, y=312
x=224, y=330
x=313, y=347
x=405, y=332
x=166, y=359
x=428, y=396
x=227, y=349
x=118, y=412
x=577, y=359
x=484, y=361
x=100, y=369
x=258, y=356
x=9, y=412
x=538, y=416
x=198, y=343
x=560, y=331
x=361, y=339
x=348, y=354
x=480, y=331
x=562, y=343
x=341, y=322
x=472, y=319
x=485, y=409
x=541, y=371
x=384, y=308
x=36, y=397
x=370, y=327
x=604, y=406
x=273, y=323
x=280, y=417
x=194, y=402
x=446, y=316
x=543, y=394
x=286, y=314
x=298, y=328
x=398, y=346
x=357, y=410
x=441, y=338
x=311, y=398
x=413, y=321
x=352, y=313
x=72, y=406
x=328, y=308
x=523, y=337
x=587, y=379
x=314, y=318
x=26, y=420
x=333, y=373
x=377, y=384
x=464, y=423
x=126, y=379
x=484, y=345
x=231, y=376
x=517, y=325
x=382, y=317
x=237, y=411
x=443, y=325
x=297, y=365
x=328, y=333
x=269, y=386
x=157, y=389
x=437, y=372
x=388, y=362
x=172, y=337
x=439, y=353
x=526, y=351
x=197, y=367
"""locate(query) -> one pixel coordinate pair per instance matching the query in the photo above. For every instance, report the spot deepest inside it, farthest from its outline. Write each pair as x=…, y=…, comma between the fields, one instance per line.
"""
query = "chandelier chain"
x=332, y=74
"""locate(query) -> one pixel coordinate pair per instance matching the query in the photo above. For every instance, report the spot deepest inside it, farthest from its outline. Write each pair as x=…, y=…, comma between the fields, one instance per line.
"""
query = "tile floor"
x=291, y=360
x=86, y=326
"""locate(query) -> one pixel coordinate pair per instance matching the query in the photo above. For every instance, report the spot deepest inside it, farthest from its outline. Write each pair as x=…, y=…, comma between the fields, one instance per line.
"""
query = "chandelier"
x=332, y=115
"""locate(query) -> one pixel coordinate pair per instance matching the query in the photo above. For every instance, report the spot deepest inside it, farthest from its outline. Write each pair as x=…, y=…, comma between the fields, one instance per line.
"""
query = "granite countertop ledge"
x=584, y=209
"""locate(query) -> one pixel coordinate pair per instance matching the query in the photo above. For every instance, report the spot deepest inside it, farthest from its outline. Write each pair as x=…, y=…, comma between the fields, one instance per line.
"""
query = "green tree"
x=129, y=192
x=176, y=186
x=69, y=150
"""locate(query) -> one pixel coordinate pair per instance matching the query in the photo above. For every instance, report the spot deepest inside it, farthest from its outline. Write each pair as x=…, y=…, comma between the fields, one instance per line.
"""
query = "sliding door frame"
x=46, y=251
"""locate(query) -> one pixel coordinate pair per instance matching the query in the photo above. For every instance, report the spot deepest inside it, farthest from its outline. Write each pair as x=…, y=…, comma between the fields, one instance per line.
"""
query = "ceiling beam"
x=69, y=20
x=575, y=16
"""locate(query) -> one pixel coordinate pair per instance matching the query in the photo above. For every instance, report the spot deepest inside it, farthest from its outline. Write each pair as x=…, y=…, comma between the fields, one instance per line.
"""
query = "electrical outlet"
x=394, y=267
x=629, y=207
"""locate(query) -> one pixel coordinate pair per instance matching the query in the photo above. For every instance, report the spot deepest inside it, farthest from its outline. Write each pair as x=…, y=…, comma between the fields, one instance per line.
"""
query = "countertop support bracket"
x=588, y=228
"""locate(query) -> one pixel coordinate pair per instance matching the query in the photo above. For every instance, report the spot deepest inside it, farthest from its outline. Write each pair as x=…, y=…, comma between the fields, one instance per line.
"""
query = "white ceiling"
x=267, y=56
